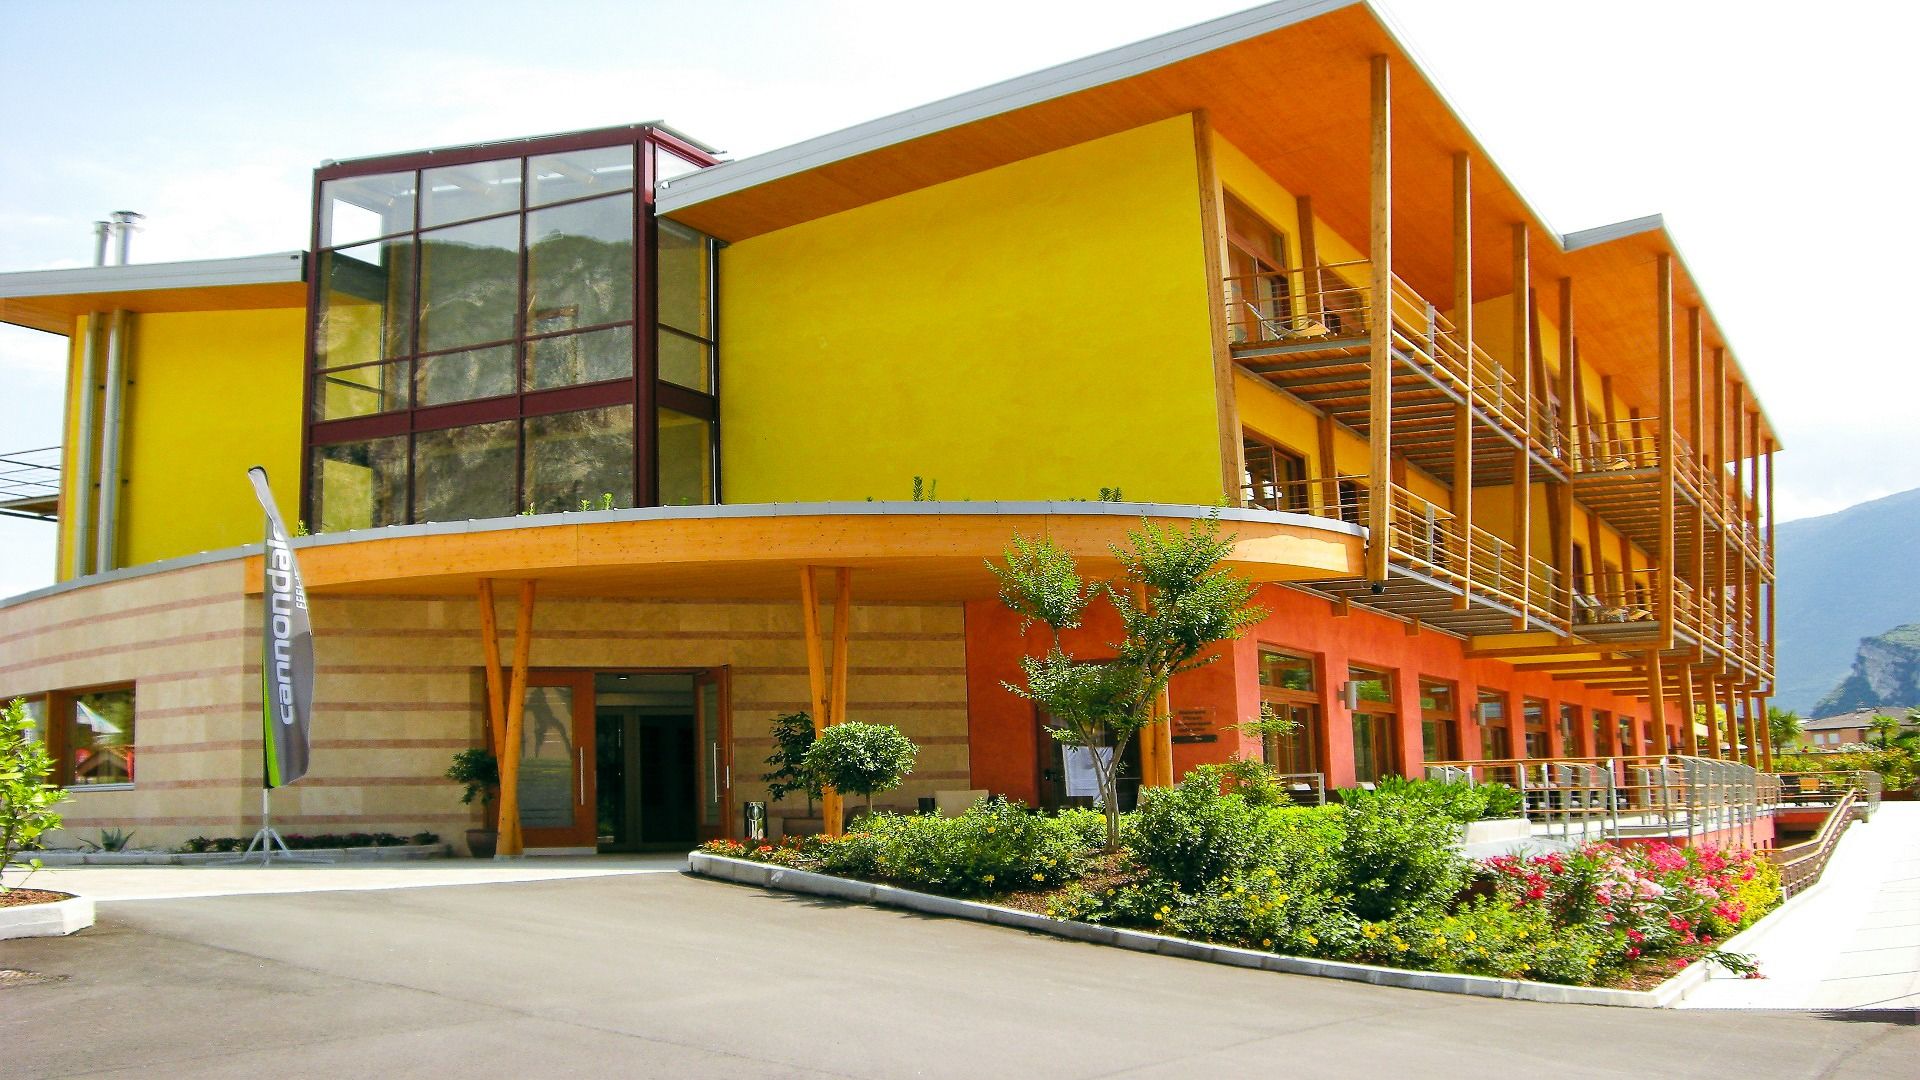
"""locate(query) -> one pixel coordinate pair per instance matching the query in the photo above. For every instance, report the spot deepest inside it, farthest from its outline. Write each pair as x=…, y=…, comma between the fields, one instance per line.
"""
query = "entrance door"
x=556, y=777
x=713, y=726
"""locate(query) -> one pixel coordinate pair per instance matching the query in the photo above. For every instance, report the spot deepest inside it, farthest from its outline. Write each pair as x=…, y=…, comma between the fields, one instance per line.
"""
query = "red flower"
x=1632, y=953
x=1636, y=936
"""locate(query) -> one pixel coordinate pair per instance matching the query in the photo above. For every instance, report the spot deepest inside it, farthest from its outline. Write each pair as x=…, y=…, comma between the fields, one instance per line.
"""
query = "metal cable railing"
x=1626, y=797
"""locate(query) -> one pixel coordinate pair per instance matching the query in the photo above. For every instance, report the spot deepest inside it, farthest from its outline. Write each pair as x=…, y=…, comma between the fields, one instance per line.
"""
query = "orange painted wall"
x=1003, y=743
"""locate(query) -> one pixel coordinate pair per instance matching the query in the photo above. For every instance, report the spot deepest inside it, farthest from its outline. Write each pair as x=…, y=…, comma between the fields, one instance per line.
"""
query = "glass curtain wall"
x=491, y=335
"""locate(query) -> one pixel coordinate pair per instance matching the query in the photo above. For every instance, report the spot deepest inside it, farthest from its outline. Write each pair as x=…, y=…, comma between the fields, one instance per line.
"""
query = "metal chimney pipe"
x=125, y=221
x=112, y=425
x=101, y=230
x=79, y=535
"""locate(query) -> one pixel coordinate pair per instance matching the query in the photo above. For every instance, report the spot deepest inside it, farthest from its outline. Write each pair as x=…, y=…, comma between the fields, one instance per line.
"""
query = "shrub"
x=861, y=759
x=26, y=799
x=1191, y=833
x=1396, y=855
x=996, y=846
x=1460, y=801
x=793, y=735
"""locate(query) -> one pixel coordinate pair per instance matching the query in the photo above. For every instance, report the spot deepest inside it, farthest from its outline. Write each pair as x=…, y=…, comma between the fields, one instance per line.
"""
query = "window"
x=478, y=346
x=1601, y=727
x=1496, y=741
x=1260, y=288
x=1373, y=724
x=89, y=734
x=1569, y=729
x=1437, y=720
x=1534, y=712
x=1289, y=689
x=1275, y=479
x=1624, y=743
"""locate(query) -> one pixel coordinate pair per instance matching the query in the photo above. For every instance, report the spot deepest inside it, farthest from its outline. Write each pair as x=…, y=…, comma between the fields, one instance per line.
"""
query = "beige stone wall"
x=398, y=691
x=183, y=639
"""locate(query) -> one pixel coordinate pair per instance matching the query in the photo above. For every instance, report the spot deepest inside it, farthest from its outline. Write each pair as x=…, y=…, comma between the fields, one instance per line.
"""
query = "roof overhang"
x=1286, y=83
x=898, y=551
x=50, y=300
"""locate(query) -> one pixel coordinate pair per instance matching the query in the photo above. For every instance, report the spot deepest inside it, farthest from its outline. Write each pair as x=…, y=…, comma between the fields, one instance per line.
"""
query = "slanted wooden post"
x=1689, y=738
x=1563, y=553
x=825, y=694
x=1380, y=329
x=1657, y=702
x=1310, y=285
x=490, y=654
x=511, y=845
x=1462, y=494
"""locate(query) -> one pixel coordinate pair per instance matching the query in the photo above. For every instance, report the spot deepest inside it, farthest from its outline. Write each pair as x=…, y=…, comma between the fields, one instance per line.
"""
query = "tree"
x=1175, y=602
x=792, y=736
x=26, y=799
x=1883, y=731
x=1783, y=726
x=861, y=759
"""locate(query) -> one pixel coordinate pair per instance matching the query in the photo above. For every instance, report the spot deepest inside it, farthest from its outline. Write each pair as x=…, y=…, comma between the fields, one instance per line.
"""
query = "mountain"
x=1844, y=578
x=1886, y=672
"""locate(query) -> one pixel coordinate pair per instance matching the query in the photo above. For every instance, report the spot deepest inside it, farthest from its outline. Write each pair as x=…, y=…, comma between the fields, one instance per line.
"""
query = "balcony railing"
x=1428, y=538
x=30, y=482
x=1673, y=796
x=1321, y=310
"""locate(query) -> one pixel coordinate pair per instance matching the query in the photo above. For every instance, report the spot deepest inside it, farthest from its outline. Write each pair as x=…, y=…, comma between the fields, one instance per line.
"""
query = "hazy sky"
x=1775, y=138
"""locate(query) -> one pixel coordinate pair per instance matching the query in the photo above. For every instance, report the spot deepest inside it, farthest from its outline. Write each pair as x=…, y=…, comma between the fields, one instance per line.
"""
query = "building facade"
x=678, y=445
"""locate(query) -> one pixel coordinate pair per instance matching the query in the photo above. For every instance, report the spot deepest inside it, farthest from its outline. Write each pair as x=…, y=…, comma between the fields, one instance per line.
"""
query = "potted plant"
x=477, y=768
x=861, y=759
x=792, y=737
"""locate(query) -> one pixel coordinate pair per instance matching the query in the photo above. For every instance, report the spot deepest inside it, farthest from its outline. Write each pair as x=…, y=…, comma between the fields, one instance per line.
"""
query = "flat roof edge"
x=276, y=268
x=1005, y=96
x=1619, y=230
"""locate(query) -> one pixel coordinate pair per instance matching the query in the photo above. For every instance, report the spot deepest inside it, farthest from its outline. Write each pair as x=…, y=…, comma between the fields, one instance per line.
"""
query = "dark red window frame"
x=642, y=389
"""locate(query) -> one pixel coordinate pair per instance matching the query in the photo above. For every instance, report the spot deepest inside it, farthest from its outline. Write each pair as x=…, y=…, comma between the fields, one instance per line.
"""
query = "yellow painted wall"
x=1036, y=331
x=212, y=394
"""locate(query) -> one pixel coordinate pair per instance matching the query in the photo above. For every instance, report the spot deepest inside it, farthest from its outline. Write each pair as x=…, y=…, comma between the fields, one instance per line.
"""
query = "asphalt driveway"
x=664, y=975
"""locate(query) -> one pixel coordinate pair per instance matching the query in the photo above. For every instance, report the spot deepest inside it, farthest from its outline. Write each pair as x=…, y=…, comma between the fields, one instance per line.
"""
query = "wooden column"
x=1710, y=715
x=1696, y=424
x=820, y=688
x=1757, y=706
x=1719, y=496
x=1329, y=467
x=1563, y=555
x=1657, y=702
x=510, y=844
x=490, y=656
x=1668, y=460
x=1310, y=286
x=1462, y=494
x=1213, y=231
x=1380, y=328
x=1523, y=457
x=1753, y=574
x=1689, y=738
x=837, y=695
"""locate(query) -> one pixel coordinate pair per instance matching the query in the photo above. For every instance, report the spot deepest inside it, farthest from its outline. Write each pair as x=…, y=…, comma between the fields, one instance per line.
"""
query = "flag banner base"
x=267, y=845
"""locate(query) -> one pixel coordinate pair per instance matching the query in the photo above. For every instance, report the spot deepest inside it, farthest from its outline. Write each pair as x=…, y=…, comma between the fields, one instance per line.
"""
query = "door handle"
x=716, y=772
x=580, y=754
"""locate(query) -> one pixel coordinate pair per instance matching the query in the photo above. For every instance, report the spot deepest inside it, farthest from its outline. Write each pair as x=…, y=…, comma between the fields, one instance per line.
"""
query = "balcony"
x=1310, y=334
x=1451, y=575
x=30, y=483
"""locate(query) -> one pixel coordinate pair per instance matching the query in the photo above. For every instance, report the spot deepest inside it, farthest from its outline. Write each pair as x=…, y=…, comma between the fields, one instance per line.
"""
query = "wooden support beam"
x=490, y=656
x=1213, y=230
x=1757, y=706
x=1657, y=703
x=1314, y=295
x=837, y=692
x=1563, y=550
x=1689, y=738
x=1664, y=449
x=1380, y=328
x=1523, y=457
x=819, y=685
x=1715, y=747
x=1719, y=494
x=1329, y=468
x=511, y=844
x=1462, y=493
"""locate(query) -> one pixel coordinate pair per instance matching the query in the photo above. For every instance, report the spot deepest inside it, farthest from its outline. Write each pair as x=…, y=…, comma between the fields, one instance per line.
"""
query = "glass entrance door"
x=714, y=730
x=556, y=734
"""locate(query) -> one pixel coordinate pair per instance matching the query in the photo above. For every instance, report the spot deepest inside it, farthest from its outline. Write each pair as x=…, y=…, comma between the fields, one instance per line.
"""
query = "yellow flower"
x=1266, y=943
x=989, y=879
x=1311, y=940
x=1469, y=935
x=1039, y=877
x=1281, y=899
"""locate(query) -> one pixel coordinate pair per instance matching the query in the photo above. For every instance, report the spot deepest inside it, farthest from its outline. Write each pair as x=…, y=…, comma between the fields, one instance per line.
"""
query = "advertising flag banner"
x=286, y=661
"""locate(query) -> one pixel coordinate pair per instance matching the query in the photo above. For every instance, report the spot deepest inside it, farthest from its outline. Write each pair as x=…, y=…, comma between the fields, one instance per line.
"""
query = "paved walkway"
x=1853, y=942
x=108, y=884
x=660, y=974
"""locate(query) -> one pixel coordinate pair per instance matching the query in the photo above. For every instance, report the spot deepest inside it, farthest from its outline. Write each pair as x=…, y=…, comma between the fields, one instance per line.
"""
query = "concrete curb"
x=58, y=919
x=806, y=882
x=395, y=853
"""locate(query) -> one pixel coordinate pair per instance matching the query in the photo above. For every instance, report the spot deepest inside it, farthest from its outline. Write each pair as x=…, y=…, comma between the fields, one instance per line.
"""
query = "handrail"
x=1802, y=864
x=1626, y=795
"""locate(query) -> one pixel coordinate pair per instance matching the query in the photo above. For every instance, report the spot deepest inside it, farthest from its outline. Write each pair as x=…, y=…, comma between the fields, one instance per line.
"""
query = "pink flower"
x=1636, y=936
x=1633, y=953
